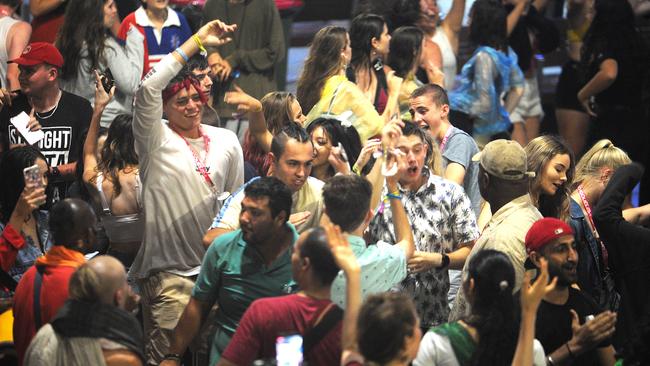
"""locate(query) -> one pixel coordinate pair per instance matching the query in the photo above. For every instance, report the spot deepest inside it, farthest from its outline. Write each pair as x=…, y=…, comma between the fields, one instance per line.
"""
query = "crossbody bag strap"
x=336, y=92
x=38, y=281
x=313, y=336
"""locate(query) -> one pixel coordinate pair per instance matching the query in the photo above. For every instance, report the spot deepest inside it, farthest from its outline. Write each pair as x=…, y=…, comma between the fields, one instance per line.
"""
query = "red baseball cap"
x=544, y=231
x=40, y=53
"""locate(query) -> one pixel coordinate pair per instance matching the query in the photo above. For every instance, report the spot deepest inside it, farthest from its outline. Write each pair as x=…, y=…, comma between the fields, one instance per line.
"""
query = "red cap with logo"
x=40, y=53
x=544, y=231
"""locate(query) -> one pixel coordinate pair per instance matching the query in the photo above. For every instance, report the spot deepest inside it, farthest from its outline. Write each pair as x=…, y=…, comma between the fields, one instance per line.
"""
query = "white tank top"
x=449, y=66
x=6, y=23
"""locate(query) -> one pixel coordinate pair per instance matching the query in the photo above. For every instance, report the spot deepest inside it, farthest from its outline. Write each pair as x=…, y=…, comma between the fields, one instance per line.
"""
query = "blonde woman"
x=553, y=163
x=592, y=175
x=324, y=89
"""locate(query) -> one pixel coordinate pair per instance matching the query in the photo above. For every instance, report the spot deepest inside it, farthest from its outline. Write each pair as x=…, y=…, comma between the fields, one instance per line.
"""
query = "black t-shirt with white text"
x=64, y=128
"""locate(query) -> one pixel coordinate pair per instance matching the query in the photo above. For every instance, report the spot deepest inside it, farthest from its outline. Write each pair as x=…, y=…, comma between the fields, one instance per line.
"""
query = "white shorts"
x=530, y=104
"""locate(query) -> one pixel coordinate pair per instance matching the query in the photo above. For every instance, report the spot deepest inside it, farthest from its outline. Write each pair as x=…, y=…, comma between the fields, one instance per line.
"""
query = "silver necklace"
x=53, y=110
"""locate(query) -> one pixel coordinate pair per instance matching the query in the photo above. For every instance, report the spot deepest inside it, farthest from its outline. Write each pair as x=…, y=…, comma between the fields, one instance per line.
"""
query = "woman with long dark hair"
x=491, y=71
x=369, y=40
x=116, y=176
x=86, y=43
x=488, y=336
x=404, y=57
x=323, y=88
x=24, y=232
x=615, y=59
x=328, y=137
x=554, y=166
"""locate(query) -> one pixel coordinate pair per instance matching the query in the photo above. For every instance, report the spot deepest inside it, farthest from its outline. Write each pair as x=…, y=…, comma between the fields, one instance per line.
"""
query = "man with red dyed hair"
x=185, y=167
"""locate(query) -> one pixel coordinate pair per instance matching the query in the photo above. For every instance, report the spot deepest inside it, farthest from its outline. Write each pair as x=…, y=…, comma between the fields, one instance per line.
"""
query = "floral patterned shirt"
x=442, y=220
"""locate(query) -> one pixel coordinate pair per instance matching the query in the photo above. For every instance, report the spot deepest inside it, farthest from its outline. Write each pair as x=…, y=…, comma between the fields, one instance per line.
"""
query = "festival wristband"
x=182, y=54
x=199, y=44
x=395, y=195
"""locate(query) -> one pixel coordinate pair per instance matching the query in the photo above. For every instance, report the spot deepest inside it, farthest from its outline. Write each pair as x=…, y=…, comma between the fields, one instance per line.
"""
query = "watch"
x=445, y=261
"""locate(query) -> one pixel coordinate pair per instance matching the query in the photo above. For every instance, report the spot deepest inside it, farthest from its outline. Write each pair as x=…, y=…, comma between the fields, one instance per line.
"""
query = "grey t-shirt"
x=460, y=148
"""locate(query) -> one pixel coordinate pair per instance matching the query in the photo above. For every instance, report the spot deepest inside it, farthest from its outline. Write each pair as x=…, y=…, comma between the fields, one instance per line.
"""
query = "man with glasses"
x=60, y=115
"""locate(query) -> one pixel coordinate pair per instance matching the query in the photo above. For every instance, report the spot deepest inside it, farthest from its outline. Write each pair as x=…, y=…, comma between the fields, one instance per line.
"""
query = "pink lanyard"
x=200, y=165
x=443, y=143
x=583, y=198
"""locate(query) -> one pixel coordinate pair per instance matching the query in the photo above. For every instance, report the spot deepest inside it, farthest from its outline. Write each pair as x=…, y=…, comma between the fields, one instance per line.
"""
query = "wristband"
x=396, y=195
x=173, y=357
x=199, y=44
x=356, y=170
x=182, y=54
x=445, y=261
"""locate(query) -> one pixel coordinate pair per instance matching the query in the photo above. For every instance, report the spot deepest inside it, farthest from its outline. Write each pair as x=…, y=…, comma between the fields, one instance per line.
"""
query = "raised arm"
x=515, y=14
x=531, y=297
x=403, y=233
x=147, y=128
x=90, y=145
x=253, y=108
x=453, y=23
x=17, y=40
x=347, y=261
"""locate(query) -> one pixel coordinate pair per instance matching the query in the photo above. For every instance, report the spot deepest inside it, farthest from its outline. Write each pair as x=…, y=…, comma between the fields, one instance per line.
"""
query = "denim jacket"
x=591, y=273
x=30, y=251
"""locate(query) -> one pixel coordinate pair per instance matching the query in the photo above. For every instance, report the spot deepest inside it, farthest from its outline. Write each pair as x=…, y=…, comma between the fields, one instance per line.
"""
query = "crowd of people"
x=164, y=201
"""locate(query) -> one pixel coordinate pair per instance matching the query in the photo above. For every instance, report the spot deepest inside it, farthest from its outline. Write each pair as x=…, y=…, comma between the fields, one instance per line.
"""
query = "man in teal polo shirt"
x=383, y=265
x=240, y=267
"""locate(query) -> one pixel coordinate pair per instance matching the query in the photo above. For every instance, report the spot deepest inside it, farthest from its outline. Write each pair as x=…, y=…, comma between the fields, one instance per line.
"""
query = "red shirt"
x=54, y=292
x=270, y=317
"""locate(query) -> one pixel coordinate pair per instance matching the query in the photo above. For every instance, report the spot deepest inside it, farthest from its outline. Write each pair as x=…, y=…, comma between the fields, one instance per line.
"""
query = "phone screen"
x=288, y=350
x=33, y=176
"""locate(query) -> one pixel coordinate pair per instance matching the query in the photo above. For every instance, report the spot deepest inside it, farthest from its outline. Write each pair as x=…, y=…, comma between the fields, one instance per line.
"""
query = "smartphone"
x=288, y=349
x=107, y=80
x=33, y=176
x=342, y=154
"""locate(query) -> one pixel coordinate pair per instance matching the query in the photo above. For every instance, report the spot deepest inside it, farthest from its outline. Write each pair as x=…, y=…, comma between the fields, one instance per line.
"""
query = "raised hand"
x=367, y=151
x=244, y=102
x=336, y=160
x=5, y=97
x=394, y=82
x=213, y=33
x=532, y=295
x=588, y=335
x=33, y=124
x=101, y=96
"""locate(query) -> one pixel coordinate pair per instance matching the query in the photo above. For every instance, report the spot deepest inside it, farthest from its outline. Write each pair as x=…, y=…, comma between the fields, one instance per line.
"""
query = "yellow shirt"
x=349, y=102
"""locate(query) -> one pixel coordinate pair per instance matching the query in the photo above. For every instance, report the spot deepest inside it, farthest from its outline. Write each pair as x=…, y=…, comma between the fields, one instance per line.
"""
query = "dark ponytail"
x=494, y=312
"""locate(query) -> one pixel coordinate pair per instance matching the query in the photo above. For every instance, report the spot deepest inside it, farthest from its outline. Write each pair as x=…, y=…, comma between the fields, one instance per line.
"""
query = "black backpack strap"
x=316, y=334
x=38, y=280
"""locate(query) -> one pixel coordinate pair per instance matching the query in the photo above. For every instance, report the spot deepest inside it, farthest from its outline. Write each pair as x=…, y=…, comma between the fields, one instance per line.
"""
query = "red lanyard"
x=585, y=203
x=200, y=165
x=443, y=143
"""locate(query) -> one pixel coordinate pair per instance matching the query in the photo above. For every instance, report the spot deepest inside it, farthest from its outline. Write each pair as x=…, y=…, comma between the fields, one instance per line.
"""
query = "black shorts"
x=568, y=86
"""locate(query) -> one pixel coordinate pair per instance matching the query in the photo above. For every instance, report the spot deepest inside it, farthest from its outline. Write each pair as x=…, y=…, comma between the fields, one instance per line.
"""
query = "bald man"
x=94, y=326
x=45, y=285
